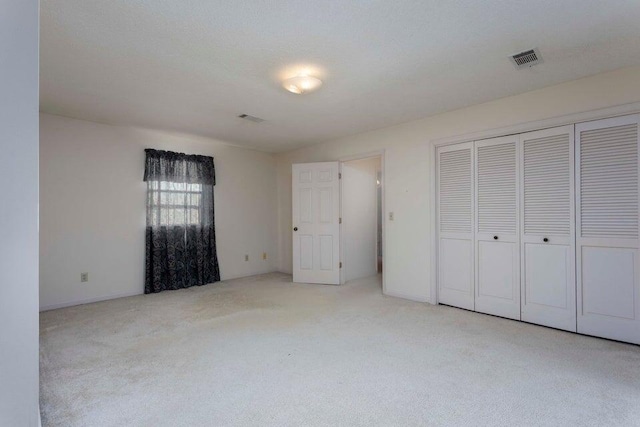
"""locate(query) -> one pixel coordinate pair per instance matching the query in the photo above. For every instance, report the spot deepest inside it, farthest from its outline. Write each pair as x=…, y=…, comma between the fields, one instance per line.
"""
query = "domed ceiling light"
x=301, y=84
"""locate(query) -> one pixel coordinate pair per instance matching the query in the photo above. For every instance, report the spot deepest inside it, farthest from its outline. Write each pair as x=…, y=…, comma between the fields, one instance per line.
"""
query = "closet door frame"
x=593, y=323
x=498, y=306
x=444, y=297
x=539, y=313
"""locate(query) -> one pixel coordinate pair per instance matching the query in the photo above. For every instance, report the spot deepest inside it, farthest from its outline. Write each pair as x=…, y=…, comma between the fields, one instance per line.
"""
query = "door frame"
x=362, y=156
x=522, y=127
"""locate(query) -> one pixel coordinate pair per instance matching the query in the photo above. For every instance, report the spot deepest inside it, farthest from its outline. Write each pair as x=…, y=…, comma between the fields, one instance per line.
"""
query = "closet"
x=455, y=237
x=547, y=239
x=496, y=236
x=607, y=228
x=543, y=227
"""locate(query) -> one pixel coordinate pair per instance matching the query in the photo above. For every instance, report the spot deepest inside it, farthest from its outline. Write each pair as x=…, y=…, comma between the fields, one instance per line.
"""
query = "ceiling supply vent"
x=526, y=59
x=251, y=118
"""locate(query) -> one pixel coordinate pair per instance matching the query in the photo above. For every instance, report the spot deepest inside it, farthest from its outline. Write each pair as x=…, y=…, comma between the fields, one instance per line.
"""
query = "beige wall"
x=408, y=165
x=253, y=195
x=92, y=205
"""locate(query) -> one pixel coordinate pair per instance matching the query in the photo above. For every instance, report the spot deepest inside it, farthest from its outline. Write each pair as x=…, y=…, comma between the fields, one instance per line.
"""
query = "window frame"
x=155, y=187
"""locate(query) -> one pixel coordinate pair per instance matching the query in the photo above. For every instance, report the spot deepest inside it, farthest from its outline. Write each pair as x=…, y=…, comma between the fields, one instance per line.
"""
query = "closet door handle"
x=495, y=237
x=546, y=239
x=295, y=228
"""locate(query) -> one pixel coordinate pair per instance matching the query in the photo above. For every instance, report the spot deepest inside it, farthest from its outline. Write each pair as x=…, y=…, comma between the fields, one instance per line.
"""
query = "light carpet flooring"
x=263, y=351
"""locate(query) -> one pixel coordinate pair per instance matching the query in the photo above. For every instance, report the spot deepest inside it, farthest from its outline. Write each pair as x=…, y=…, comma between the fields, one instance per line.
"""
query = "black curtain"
x=180, y=233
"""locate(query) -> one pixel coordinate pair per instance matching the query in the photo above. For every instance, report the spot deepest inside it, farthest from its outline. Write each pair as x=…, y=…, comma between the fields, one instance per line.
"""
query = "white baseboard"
x=89, y=301
x=129, y=294
x=225, y=278
x=407, y=296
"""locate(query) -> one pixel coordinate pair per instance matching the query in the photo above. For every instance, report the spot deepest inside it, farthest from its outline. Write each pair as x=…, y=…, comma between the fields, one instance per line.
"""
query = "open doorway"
x=361, y=229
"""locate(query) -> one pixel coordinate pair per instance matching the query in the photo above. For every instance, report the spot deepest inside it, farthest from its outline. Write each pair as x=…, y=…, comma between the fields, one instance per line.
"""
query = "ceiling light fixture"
x=301, y=84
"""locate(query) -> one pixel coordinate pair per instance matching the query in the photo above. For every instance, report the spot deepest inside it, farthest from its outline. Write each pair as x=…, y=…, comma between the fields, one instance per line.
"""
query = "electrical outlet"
x=264, y=255
x=246, y=257
x=391, y=216
x=84, y=277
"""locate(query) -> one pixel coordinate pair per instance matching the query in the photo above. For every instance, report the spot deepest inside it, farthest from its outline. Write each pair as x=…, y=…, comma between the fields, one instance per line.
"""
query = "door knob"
x=546, y=239
x=495, y=237
x=295, y=228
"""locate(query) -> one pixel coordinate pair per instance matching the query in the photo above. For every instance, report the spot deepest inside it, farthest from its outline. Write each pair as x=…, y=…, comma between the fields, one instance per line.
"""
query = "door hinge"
x=339, y=220
x=339, y=175
x=340, y=264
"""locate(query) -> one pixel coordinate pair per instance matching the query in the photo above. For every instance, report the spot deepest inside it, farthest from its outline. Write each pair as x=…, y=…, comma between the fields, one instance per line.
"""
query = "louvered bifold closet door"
x=547, y=217
x=455, y=225
x=497, y=227
x=607, y=228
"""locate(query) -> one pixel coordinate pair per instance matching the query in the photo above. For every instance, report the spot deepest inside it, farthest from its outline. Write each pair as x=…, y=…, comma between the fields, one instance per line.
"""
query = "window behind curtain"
x=175, y=203
x=180, y=233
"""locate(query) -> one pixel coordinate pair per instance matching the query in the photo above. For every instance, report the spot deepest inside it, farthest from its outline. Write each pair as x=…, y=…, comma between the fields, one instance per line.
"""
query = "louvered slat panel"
x=497, y=188
x=609, y=182
x=455, y=191
x=547, y=185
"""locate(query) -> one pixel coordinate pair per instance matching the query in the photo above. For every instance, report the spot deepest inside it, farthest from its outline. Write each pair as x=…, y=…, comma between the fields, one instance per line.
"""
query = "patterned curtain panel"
x=180, y=234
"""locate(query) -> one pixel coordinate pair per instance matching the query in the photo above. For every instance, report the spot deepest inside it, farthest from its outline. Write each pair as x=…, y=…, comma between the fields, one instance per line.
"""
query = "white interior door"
x=607, y=228
x=316, y=228
x=497, y=288
x=455, y=225
x=547, y=219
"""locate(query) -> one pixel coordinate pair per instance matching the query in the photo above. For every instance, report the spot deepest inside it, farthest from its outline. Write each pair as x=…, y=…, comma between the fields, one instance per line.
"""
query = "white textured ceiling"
x=194, y=65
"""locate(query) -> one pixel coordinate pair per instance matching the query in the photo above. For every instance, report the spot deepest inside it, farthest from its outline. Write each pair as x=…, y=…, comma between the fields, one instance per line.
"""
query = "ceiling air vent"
x=251, y=118
x=526, y=59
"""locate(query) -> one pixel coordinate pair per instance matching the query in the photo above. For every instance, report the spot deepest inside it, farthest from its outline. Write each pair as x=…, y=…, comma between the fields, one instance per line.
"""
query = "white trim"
x=405, y=296
x=362, y=156
x=343, y=273
x=368, y=155
x=384, y=220
x=568, y=119
x=243, y=275
x=89, y=301
x=433, y=293
x=132, y=294
x=536, y=125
